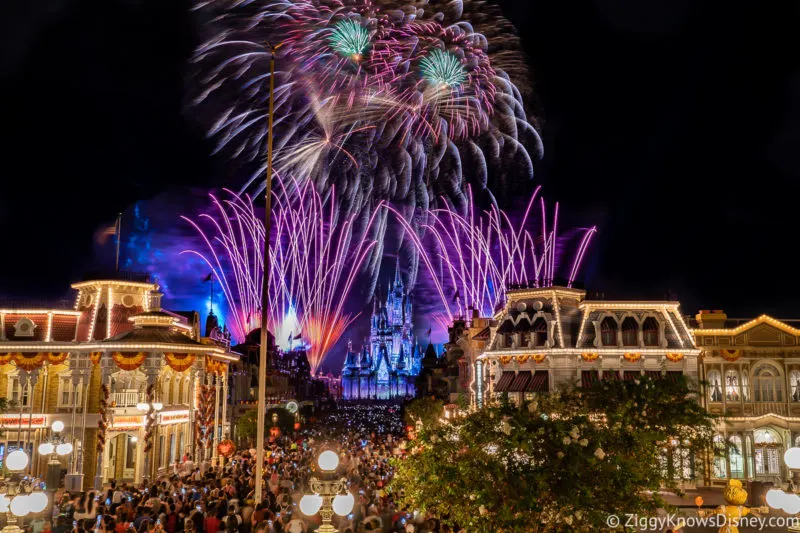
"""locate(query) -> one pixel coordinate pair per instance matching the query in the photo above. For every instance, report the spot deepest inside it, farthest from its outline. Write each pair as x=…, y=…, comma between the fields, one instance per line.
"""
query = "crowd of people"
x=197, y=498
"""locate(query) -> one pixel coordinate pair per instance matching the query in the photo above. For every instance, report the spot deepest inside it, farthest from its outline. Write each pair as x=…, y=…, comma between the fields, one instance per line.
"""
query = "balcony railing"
x=127, y=398
x=764, y=408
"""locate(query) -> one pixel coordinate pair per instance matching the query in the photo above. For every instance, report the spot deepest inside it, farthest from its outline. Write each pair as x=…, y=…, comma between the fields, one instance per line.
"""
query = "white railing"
x=765, y=408
x=126, y=398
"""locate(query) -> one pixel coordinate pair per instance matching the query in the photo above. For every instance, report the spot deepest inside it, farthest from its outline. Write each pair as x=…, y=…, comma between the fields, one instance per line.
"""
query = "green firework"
x=349, y=38
x=443, y=68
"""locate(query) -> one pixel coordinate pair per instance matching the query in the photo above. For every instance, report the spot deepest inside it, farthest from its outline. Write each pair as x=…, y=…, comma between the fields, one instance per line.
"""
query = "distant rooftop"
x=66, y=304
x=731, y=323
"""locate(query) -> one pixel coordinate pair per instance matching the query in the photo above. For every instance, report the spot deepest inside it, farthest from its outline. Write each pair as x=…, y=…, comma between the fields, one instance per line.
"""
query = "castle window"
x=630, y=332
x=540, y=332
x=608, y=331
x=650, y=331
x=767, y=384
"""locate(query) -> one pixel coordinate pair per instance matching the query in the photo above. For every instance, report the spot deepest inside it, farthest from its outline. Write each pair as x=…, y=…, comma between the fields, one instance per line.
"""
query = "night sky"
x=674, y=126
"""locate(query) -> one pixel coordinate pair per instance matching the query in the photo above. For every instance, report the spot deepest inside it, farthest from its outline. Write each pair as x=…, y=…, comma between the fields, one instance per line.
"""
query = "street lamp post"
x=789, y=502
x=19, y=495
x=329, y=493
x=55, y=447
x=262, y=359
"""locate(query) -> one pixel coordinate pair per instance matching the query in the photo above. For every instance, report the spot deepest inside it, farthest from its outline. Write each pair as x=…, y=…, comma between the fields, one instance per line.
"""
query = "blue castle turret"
x=390, y=359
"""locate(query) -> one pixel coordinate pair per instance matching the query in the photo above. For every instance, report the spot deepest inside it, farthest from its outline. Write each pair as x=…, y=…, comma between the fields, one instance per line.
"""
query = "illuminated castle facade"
x=389, y=363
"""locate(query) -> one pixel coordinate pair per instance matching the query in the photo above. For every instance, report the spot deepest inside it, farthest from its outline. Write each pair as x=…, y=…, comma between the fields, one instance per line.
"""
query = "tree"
x=427, y=411
x=562, y=463
x=246, y=425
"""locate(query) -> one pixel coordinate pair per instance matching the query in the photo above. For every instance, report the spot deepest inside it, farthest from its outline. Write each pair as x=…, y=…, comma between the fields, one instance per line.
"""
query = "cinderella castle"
x=389, y=363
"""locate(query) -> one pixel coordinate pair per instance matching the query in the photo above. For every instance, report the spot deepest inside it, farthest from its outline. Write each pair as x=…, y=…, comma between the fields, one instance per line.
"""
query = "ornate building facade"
x=546, y=337
x=751, y=371
x=136, y=386
x=389, y=362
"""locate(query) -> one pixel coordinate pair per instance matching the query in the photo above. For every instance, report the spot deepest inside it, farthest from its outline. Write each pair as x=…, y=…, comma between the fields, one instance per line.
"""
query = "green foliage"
x=247, y=425
x=426, y=411
x=562, y=463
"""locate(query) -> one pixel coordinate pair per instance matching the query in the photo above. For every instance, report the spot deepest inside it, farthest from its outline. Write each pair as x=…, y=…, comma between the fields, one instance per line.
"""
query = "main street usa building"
x=547, y=337
x=136, y=386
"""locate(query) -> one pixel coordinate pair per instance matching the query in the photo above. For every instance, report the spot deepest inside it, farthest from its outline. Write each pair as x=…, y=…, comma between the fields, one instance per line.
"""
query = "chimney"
x=715, y=319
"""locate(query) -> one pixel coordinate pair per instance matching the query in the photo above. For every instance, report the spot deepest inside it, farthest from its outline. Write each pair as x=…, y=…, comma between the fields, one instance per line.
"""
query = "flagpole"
x=262, y=359
x=118, y=232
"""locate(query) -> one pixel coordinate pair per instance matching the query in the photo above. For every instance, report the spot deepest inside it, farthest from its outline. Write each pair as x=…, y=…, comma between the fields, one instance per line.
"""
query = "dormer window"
x=630, y=332
x=540, y=332
x=24, y=327
x=608, y=331
x=650, y=331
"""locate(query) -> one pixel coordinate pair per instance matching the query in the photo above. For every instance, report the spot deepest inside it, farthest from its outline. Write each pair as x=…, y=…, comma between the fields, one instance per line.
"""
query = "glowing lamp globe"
x=20, y=505
x=64, y=449
x=310, y=504
x=343, y=504
x=328, y=460
x=46, y=448
x=158, y=406
x=16, y=461
x=143, y=406
x=775, y=498
x=792, y=458
x=4, y=503
x=58, y=426
x=37, y=502
x=791, y=503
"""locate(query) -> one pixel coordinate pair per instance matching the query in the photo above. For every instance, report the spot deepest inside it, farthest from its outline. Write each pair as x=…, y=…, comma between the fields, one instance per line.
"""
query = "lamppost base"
x=73, y=482
x=327, y=528
x=11, y=528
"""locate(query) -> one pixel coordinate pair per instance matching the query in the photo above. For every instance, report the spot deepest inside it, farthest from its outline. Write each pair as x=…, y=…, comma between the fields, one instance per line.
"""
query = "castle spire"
x=397, y=281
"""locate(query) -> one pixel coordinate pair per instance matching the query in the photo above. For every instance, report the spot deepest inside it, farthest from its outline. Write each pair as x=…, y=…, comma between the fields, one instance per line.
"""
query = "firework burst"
x=314, y=263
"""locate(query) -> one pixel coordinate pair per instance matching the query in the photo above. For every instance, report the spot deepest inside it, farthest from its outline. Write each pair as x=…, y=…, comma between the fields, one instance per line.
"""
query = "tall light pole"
x=262, y=353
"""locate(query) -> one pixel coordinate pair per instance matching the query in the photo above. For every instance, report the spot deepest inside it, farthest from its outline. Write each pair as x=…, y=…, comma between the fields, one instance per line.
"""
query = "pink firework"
x=476, y=257
x=314, y=263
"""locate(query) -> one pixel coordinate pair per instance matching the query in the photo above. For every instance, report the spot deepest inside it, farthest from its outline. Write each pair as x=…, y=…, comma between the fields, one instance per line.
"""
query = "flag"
x=209, y=277
x=105, y=232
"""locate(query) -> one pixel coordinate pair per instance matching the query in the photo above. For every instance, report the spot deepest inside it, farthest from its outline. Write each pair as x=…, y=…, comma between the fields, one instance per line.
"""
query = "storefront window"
x=736, y=457
x=720, y=470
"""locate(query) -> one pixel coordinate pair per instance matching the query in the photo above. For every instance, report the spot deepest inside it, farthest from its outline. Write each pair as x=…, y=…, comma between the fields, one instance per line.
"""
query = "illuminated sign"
x=15, y=421
x=127, y=421
x=178, y=417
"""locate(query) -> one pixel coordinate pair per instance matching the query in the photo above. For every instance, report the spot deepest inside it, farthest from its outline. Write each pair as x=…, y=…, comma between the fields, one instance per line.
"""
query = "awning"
x=653, y=374
x=630, y=375
x=589, y=378
x=610, y=375
x=505, y=382
x=674, y=375
x=520, y=381
x=539, y=383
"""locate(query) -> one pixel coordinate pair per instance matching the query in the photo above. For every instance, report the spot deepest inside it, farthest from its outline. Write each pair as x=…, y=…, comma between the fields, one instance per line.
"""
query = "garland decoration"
x=102, y=425
x=150, y=418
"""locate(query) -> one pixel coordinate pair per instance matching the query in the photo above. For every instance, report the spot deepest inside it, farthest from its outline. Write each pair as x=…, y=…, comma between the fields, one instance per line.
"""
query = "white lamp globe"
x=775, y=498
x=58, y=426
x=343, y=504
x=46, y=448
x=310, y=504
x=17, y=460
x=143, y=406
x=64, y=449
x=791, y=503
x=37, y=502
x=4, y=503
x=20, y=505
x=792, y=458
x=328, y=460
x=158, y=406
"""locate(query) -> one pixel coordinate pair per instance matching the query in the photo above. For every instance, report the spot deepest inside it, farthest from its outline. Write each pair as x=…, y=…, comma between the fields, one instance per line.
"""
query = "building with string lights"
x=751, y=373
x=136, y=386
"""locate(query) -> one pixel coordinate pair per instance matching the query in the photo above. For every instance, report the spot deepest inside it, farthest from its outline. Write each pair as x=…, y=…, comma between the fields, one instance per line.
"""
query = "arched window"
x=714, y=386
x=630, y=332
x=746, y=385
x=720, y=470
x=736, y=456
x=768, y=451
x=176, y=389
x=608, y=331
x=650, y=331
x=794, y=383
x=732, y=390
x=767, y=385
x=539, y=332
